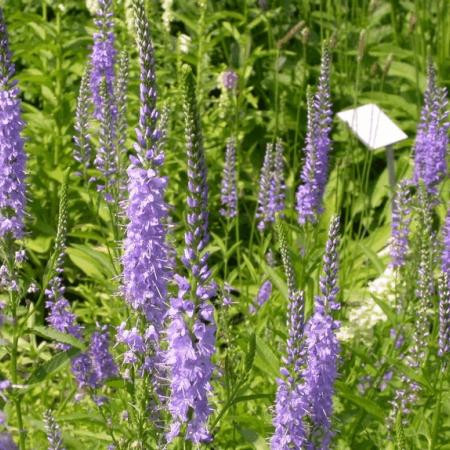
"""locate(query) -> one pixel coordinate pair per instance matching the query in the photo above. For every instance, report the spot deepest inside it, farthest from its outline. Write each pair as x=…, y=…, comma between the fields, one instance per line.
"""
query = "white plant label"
x=372, y=126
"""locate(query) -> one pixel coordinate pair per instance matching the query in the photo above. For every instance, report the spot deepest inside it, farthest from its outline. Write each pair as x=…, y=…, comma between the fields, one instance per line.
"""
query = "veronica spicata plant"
x=12, y=208
x=322, y=347
x=430, y=147
x=228, y=188
x=401, y=219
x=191, y=331
x=145, y=257
x=314, y=174
x=304, y=397
x=271, y=196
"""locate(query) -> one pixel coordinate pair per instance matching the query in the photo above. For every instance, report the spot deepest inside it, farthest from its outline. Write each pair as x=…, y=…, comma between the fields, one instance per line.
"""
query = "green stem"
x=437, y=414
x=14, y=377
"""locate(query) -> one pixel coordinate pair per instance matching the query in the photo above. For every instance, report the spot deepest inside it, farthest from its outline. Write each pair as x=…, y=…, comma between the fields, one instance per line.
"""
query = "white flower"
x=167, y=16
x=365, y=313
x=184, y=42
x=92, y=6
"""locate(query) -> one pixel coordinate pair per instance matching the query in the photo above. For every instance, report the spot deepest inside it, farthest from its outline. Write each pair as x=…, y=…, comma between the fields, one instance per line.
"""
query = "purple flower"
x=102, y=362
x=290, y=403
x=444, y=315
x=107, y=160
x=401, y=220
x=263, y=212
x=229, y=79
x=145, y=266
x=145, y=257
x=430, y=148
x=191, y=330
x=406, y=396
x=328, y=280
x=60, y=316
x=135, y=342
x=446, y=248
x=82, y=139
x=264, y=293
x=189, y=358
x=228, y=188
x=92, y=368
x=318, y=146
x=322, y=347
x=103, y=57
x=53, y=432
x=121, y=95
x=320, y=374
x=12, y=155
x=277, y=184
x=149, y=135
x=6, y=442
x=304, y=398
x=227, y=298
x=82, y=371
x=271, y=197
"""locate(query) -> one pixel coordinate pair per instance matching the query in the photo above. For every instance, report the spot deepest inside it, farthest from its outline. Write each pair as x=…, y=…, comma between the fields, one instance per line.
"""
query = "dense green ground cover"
x=379, y=54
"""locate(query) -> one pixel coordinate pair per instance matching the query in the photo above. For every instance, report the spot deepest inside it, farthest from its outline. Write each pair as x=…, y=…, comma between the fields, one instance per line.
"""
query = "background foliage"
x=379, y=51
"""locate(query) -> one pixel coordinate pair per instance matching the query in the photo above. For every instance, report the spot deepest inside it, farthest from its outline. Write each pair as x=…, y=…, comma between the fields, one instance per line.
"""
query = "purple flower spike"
x=92, y=368
x=318, y=146
x=12, y=155
x=263, y=212
x=272, y=187
x=6, y=442
x=229, y=79
x=328, y=281
x=290, y=403
x=60, y=316
x=228, y=189
x=430, y=148
x=144, y=260
x=304, y=398
x=53, y=432
x=401, y=220
x=264, y=293
x=102, y=362
x=277, y=185
x=191, y=331
x=320, y=373
x=322, y=346
x=103, y=56
x=82, y=139
x=148, y=133
x=145, y=257
x=444, y=315
x=446, y=247
x=189, y=358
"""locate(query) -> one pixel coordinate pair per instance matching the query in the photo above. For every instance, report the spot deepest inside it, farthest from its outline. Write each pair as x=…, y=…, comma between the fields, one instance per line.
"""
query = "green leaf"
x=49, y=95
x=265, y=359
x=119, y=383
x=254, y=438
x=81, y=417
x=246, y=398
x=53, y=335
x=49, y=367
x=372, y=257
x=250, y=356
x=40, y=244
x=390, y=313
x=363, y=402
x=87, y=264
